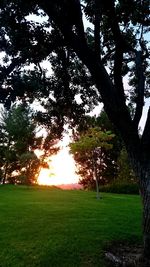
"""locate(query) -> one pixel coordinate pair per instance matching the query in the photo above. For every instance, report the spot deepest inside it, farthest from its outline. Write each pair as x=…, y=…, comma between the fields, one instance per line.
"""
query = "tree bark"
x=145, y=194
x=142, y=171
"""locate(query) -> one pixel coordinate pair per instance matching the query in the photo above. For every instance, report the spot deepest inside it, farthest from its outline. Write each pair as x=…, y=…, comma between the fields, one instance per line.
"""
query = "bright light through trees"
x=61, y=171
x=62, y=168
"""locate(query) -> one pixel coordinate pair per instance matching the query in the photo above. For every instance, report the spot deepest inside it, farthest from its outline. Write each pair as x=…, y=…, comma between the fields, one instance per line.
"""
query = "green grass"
x=54, y=228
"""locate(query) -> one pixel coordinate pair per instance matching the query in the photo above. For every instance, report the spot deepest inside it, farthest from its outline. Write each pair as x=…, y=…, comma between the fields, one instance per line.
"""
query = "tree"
x=117, y=40
x=125, y=172
x=111, y=157
x=30, y=165
x=109, y=169
x=18, y=141
x=87, y=152
x=117, y=161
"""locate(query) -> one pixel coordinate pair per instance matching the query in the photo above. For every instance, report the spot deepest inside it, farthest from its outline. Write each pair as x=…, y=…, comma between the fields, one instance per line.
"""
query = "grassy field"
x=54, y=228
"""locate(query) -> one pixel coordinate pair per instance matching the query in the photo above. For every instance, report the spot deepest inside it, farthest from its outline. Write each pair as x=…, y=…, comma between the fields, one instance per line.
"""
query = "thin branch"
x=78, y=18
x=5, y=72
x=108, y=55
x=83, y=6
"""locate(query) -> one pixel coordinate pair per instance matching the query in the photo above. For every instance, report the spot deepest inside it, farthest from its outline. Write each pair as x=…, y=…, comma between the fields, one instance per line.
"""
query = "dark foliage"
x=121, y=188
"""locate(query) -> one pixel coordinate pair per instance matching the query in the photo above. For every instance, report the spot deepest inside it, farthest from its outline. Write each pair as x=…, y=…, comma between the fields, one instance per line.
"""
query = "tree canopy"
x=117, y=40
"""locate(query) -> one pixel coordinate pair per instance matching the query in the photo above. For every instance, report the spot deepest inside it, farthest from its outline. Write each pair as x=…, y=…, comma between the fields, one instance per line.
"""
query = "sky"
x=62, y=169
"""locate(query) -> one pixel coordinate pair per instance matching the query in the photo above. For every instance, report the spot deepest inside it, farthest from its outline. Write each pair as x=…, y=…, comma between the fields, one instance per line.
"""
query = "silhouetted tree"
x=18, y=143
x=125, y=172
x=18, y=137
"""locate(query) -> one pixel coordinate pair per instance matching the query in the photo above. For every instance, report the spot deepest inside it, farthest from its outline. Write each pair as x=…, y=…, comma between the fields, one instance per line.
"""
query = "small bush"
x=120, y=188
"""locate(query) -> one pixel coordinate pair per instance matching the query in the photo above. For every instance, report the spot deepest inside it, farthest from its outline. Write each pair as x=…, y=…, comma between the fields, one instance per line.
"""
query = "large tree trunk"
x=143, y=173
x=145, y=194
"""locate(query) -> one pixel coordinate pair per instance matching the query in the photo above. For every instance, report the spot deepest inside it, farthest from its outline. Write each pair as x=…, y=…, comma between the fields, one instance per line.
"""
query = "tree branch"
x=146, y=133
x=6, y=71
x=71, y=26
x=139, y=89
x=118, y=73
x=97, y=28
x=119, y=48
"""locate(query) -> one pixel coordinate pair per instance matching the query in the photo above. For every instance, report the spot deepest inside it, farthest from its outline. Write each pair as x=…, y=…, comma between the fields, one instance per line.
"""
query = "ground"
x=125, y=255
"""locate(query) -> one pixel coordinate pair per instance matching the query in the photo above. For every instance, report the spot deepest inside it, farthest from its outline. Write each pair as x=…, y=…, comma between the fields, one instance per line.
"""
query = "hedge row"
x=120, y=188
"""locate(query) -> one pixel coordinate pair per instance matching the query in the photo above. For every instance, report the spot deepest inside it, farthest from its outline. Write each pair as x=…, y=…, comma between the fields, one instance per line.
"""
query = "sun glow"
x=61, y=170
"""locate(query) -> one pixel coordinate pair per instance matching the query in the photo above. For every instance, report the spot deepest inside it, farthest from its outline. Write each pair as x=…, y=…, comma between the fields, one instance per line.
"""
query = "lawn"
x=49, y=227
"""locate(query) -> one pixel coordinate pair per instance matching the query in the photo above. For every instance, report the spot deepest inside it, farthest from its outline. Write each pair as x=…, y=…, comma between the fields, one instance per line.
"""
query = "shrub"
x=125, y=188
